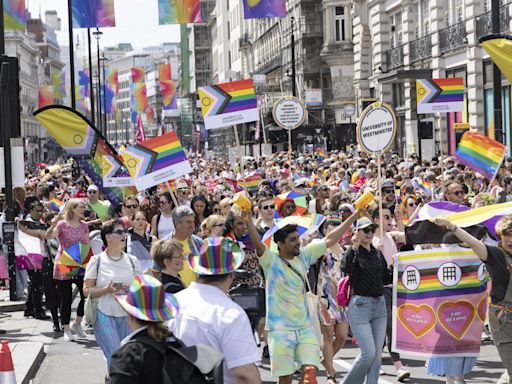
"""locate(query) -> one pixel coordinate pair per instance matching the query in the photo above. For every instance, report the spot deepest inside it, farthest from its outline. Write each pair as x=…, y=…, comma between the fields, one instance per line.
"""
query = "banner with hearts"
x=439, y=303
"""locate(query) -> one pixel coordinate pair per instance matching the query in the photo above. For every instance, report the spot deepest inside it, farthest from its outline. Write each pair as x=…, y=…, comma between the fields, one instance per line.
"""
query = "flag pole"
x=379, y=185
x=172, y=193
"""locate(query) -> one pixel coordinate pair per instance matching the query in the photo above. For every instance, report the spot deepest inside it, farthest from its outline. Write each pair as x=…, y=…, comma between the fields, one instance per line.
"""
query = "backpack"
x=198, y=364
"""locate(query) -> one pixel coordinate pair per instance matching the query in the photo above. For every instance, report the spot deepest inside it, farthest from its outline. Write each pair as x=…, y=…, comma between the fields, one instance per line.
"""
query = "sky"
x=137, y=22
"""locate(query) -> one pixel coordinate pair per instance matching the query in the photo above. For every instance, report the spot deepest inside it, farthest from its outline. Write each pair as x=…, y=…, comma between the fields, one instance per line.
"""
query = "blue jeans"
x=109, y=332
x=367, y=317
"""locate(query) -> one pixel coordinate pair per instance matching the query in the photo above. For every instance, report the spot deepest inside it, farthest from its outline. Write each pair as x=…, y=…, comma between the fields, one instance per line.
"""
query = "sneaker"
x=266, y=354
x=402, y=374
x=382, y=372
x=77, y=328
x=68, y=336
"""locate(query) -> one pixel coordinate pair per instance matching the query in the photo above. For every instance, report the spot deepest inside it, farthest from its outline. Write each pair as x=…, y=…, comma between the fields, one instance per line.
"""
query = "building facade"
x=397, y=42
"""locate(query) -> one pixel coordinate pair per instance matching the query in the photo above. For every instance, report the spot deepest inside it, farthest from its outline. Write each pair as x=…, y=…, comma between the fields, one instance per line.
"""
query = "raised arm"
x=335, y=235
x=475, y=244
x=253, y=233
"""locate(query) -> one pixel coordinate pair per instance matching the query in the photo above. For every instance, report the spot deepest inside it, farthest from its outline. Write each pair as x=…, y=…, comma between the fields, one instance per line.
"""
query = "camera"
x=251, y=299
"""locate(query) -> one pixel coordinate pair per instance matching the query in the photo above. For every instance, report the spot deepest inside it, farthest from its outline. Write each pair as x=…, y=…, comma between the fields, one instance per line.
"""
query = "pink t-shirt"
x=69, y=236
x=390, y=248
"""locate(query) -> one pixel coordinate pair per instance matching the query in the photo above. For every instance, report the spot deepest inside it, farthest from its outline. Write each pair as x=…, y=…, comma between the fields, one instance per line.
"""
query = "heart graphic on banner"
x=418, y=320
x=482, y=309
x=456, y=317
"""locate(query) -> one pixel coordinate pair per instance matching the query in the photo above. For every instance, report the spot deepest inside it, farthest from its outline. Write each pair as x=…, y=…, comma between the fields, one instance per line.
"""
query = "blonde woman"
x=168, y=255
x=69, y=230
x=212, y=226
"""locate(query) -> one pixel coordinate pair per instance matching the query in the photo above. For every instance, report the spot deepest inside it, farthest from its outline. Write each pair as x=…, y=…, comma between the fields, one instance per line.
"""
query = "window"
x=425, y=18
x=455, y=11
x=339, y=23
x=229, y=59
x=396, y=29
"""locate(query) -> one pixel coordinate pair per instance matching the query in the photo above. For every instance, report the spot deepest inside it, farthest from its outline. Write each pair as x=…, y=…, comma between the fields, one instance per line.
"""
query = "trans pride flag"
x=480, y=153
x=156, y=160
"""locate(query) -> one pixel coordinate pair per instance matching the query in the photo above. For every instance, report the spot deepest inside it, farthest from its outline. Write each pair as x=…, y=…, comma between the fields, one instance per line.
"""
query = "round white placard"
x=289, y=112
x=376, y=128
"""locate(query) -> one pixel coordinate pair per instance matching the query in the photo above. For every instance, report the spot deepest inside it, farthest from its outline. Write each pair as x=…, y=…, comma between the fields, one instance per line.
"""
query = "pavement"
x=40, y=356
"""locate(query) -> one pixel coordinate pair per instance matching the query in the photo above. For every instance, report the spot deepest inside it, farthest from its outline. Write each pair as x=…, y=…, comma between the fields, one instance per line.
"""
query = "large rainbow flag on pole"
x=156, y=160
x=480, y=153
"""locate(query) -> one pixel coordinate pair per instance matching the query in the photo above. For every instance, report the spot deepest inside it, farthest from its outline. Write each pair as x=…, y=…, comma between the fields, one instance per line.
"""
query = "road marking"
x=347, y=366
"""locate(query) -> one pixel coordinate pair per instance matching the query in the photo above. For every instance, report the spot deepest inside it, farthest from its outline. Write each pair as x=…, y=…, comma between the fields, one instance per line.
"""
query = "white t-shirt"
x=208, y=316
x=120, y=271
x=165, y=226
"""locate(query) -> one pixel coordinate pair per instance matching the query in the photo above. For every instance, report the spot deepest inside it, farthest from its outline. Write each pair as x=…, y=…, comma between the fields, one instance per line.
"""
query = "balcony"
x=453, y=37
x=421, y=48
x=395, y=57
x=484, y=22
x=245, y=41
x=270, y=65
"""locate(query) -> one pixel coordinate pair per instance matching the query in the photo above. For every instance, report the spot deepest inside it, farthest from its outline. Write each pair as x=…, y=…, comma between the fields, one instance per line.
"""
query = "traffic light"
x=13, y=96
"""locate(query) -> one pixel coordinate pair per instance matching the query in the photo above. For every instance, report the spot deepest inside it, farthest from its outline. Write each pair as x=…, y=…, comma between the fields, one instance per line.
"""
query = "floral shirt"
x=67, y=237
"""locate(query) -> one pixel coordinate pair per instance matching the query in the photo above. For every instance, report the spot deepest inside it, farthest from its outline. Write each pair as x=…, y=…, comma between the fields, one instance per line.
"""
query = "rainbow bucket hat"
x=218, y=256
x=147, y=300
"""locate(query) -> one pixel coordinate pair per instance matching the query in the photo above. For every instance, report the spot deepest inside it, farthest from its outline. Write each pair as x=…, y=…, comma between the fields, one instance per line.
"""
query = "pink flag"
x=140, y=137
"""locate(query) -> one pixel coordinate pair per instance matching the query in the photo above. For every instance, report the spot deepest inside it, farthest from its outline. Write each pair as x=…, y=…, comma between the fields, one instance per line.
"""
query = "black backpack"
x=198, y=364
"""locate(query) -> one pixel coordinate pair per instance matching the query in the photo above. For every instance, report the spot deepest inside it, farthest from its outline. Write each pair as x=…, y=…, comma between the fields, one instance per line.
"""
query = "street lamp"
x=97, y=34
x=103, y=60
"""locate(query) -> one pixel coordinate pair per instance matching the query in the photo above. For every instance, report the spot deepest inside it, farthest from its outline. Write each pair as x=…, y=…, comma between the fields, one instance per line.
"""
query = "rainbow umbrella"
x=305, y=224
x=298, y=198
x=74, y=259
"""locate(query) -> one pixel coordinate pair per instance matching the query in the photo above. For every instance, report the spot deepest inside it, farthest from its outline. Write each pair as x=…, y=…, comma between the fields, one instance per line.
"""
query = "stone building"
x=397, y=42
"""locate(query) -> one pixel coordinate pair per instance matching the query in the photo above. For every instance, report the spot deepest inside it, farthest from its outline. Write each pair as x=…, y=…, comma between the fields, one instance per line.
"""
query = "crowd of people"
x=194, y=238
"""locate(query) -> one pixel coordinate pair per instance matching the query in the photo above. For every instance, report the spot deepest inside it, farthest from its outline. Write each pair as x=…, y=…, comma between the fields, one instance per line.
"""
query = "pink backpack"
x=343, y=296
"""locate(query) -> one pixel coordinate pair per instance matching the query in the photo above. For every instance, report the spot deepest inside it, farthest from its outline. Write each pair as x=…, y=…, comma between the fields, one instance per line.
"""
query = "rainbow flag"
x=423, y=185
x=440, y=95
x=224, y=105
x=92, y=14
x=45, y=96
x=155, y=160
x=167, y=87
x=480, y=153
x=251, y=183
x=179, y=12
x=321, y=154
x=56, y=204
x=15, y=15
x=59, y=84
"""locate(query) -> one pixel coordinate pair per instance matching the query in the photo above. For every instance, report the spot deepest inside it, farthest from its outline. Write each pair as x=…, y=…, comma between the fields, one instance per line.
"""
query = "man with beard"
x=292, y=339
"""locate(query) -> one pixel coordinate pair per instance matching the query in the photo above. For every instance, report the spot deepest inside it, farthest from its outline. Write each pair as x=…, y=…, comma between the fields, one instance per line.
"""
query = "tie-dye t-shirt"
x=286, y=300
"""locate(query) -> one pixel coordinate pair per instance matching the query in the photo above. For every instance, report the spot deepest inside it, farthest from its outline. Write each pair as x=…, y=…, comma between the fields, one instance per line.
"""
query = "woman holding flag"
x=498, y=261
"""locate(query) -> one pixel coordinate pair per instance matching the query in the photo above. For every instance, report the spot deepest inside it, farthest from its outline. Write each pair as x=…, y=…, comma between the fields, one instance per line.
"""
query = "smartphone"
x=117, y=284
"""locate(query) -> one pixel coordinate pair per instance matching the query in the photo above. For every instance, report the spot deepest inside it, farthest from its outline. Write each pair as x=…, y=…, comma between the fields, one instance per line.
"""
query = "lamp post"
x=104, y=85
x=91, y=88
x=97, y=34
x=496, y=78
x=294, y=85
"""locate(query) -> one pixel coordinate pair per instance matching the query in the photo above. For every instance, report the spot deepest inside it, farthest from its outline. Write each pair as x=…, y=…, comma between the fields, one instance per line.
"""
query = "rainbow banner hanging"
x=258, y=9
x=15, y=16
x=80, y=139
x=167, y=87
x=59, y=84
x=93, y=13
x=440, y=95
x=179, y=11
x=480, y=153
x=111, y=90
x=45, y=96
x=138, y=95
x=115, y=173
x=227, y=104
x=81, y=103
x=439, y=302
x=156, y=160
x=84, y=81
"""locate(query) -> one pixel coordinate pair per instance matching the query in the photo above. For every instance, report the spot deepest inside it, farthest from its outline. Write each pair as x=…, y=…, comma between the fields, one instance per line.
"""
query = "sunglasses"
x=219, y=225
x=388, y=191
x=133, y=206
x=216, y=210
x=265, y=207
x=369, y=229
x=120, y=232
x=325, y=189
x=456, y=193
x=91, y=192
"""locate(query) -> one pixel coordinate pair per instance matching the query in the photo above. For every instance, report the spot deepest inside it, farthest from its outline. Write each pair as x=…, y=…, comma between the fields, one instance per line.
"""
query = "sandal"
x=331, y=380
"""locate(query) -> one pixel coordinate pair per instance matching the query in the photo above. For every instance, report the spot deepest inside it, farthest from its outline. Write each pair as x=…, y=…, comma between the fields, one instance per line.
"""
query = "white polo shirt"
x=208, y=316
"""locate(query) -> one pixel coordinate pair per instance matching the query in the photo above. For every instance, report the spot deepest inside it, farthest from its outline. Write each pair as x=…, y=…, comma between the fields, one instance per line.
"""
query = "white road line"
x=347, y=366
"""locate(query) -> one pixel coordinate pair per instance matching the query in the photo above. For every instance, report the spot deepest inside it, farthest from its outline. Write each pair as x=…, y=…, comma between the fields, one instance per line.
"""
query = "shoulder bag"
x=344, y=288
x=91, y=304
